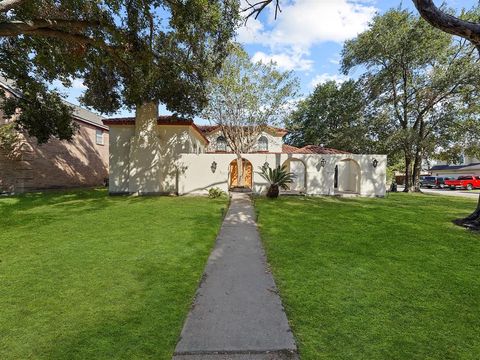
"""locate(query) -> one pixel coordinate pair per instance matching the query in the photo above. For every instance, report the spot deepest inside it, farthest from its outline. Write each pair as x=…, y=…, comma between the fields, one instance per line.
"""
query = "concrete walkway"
x=237, y=313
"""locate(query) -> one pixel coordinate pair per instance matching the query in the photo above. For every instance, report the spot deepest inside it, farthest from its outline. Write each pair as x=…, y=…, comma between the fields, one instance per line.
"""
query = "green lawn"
x=87, y=276
x=376, y=278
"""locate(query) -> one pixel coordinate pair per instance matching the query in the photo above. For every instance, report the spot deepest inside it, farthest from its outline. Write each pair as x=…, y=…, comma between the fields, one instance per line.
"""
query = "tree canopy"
x=245, y=98
x=128, y=52
x=418, y=77
x=333, y=116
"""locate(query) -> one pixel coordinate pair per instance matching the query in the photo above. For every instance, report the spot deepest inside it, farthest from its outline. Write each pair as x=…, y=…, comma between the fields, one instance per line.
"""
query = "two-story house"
x=179, y=157
x=81, y=162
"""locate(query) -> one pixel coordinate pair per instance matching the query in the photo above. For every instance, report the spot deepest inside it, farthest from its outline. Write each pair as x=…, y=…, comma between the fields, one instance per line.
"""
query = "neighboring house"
x=57, y=164
x=183, y=158
x=466, y=166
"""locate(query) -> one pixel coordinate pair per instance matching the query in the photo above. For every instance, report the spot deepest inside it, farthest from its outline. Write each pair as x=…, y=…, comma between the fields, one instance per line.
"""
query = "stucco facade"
x=175, y=168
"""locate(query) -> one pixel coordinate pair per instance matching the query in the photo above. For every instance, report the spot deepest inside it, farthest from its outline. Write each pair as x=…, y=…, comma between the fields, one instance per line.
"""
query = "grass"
x=87, y=276
x=374, y=279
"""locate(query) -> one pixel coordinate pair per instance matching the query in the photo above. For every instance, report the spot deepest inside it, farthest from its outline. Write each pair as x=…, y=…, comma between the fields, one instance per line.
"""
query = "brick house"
x=81, y=162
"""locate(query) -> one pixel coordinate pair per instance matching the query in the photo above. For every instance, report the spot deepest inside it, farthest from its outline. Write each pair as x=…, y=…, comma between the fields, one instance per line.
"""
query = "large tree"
x=245, y=98
x=334, y=115
x=418, y=76
x=132, y=54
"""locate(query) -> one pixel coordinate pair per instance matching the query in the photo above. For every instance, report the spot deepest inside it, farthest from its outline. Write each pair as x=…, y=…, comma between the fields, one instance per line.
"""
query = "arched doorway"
x=247, y=173
x=347, y=176
x=298, y=168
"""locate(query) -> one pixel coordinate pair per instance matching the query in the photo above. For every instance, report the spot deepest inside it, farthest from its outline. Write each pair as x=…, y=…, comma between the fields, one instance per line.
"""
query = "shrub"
x=276, y=178
x=214, y=193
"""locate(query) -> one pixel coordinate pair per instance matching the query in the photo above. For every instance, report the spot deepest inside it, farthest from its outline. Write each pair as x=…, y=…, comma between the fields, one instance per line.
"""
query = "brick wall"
x=57, y=164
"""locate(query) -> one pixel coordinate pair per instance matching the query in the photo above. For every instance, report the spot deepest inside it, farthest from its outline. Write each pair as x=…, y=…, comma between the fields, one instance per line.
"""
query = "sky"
x=307, y=37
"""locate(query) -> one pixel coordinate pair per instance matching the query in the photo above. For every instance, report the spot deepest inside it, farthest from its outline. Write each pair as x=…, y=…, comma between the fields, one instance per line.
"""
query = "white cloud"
x=78, y=84
x=285, y=61
x=305, y=23
x=323, y=78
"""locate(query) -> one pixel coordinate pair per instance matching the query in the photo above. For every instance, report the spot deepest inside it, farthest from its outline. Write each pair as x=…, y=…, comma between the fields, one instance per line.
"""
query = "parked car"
x=428, y=181
x=468, y=182
x=440, y=184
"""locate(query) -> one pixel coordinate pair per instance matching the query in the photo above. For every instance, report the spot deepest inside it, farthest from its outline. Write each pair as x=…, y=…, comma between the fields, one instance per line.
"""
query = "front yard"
x=376, y=278
x=87, y=276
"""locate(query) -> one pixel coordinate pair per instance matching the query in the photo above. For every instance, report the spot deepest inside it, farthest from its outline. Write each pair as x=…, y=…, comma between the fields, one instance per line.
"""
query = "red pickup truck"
x=468, y=182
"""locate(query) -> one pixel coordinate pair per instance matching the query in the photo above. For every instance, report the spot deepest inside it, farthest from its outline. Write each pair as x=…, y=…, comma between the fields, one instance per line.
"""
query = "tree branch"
x=7, y=5
x=57, y=28
x=256, y=8
x=448, y=23
x=15, y=28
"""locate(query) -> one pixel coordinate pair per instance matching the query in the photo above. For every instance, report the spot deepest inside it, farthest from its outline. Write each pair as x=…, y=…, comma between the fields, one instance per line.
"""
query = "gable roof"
x=162, y=120
x=78, y=112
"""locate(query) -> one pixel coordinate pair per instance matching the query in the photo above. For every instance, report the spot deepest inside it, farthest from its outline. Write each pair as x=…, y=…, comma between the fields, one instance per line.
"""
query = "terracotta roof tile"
x=315, y=149
x=289, y=149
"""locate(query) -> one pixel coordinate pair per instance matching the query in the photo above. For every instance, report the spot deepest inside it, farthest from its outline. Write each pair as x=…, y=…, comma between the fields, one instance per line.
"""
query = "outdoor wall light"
x=323, y=162
x=213, y=167
x=266, y=165
x=375, y=163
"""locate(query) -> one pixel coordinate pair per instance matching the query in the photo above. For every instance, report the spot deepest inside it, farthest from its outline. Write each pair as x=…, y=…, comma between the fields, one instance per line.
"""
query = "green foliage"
x=278, y=178
x=44, y=114
x=128, y=53
x=215, y=193
x=375, y=279
x=418, y=80
x=8, y=137
x=245, y=97
x=333, y=115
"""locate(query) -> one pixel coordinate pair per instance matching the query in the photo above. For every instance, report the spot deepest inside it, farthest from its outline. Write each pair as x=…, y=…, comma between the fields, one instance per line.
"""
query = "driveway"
x=448, y=192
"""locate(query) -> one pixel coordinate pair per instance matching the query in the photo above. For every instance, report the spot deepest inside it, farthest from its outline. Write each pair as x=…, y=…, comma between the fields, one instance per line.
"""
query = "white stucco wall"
x=150, y=167
x=274, y=142
x=119, y=159
x=197, y=176
x=164, y=163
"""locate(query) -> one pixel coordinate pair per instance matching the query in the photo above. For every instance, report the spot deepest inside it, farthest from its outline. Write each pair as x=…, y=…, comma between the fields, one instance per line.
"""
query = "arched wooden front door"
x=248, y=173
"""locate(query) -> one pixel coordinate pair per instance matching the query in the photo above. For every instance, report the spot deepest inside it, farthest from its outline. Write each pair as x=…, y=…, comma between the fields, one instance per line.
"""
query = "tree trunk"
x=273, y=191
x=475, y=216
x=408, y=174
x=144, y=169
x=240, y=176
x=417, y=169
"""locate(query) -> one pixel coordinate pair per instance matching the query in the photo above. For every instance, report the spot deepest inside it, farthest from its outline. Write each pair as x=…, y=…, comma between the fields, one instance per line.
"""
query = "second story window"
x=263, y=144
x=99, y=137
x=221, y=144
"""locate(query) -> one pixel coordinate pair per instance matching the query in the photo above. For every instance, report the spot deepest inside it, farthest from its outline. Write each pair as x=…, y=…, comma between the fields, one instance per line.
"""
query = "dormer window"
x=262, y=143
x=221, y=144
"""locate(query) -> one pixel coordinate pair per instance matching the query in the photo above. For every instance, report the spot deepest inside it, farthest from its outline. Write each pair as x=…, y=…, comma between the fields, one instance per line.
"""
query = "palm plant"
x=276, y=178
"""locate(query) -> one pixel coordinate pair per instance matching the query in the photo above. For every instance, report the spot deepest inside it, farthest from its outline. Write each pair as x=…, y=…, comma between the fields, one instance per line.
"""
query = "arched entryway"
x=235, y=181
x=298, y=168
x=347, y=177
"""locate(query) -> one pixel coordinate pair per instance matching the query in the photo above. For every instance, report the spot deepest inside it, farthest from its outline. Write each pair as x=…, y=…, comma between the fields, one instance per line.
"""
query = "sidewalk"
x=237, y=313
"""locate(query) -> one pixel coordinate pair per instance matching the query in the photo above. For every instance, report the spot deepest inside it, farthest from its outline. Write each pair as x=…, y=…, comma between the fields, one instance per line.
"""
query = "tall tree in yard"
x=245, y=98
x=417, y=75
x=338, y=116
x=132, y=54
